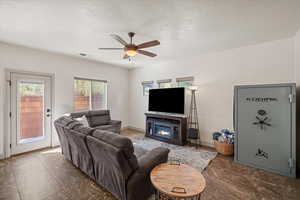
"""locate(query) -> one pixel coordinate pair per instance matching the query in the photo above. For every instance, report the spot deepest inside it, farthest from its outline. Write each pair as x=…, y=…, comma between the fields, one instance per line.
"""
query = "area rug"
x=191, y=156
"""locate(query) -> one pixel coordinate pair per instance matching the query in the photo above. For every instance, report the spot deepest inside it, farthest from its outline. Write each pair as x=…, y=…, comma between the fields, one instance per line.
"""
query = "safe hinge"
x=291, y=163
x=291, y=98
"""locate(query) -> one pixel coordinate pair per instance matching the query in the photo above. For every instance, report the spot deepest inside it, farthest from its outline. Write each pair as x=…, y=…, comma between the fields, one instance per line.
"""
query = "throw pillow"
x=83, y=120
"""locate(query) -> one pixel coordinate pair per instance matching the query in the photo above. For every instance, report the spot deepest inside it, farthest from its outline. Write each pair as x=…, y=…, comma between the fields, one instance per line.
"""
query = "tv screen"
x=169, y=100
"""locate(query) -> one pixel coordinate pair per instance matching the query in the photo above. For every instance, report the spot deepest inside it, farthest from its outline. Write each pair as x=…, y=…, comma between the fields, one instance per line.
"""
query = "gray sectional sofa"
x=99, y=119
x=109, y=159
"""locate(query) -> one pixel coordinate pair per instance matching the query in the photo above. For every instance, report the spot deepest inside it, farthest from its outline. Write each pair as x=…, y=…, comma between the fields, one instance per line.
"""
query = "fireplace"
x=163, y=131
x=166, y=128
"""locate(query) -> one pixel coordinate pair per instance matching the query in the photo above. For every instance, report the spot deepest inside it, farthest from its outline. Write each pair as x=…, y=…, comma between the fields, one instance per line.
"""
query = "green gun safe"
x=264, y=122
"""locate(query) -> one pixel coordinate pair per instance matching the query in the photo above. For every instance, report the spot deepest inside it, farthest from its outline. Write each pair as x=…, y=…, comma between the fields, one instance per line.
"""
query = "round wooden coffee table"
x=177, y=181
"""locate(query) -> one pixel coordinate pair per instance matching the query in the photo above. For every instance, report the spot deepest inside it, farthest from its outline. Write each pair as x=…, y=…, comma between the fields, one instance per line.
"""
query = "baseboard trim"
x=134, y=128
x=124, y=128
x=207, y=144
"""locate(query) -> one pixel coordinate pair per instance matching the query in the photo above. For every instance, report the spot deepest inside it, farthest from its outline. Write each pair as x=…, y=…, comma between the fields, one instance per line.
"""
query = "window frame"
x=144, y=89
x=185, y=79
x=90, y=100
x=159, y=82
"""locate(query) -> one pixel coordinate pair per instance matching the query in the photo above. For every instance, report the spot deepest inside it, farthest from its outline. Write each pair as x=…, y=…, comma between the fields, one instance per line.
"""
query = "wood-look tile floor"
x=46, y=175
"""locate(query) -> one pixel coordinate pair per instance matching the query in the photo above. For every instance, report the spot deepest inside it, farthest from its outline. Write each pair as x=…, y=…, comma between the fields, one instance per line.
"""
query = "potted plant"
x=223, y=141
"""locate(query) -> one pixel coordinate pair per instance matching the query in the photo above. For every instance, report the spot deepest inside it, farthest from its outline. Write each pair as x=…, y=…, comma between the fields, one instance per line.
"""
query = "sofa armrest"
x=151, y=159
x=115, y=122
x=139, y=185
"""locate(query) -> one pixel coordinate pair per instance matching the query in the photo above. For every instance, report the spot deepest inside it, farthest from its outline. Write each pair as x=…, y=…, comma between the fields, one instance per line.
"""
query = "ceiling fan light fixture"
x=131, y=52
x=130, y=49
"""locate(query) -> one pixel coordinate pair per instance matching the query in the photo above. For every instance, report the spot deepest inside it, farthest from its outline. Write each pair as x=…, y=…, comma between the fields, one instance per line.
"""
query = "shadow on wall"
x=298, y=130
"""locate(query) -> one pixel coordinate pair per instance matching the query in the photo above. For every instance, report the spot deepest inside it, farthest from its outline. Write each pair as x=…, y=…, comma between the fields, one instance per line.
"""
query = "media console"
x=169, y=128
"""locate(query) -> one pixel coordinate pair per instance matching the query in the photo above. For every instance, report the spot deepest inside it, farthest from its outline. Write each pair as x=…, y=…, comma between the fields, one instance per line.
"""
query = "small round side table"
x=174, y=181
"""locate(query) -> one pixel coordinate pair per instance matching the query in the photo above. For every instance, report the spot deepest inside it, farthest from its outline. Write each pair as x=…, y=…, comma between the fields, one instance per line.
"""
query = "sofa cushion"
x=79, y=114
x=64, y=121
x=84, y=130
x=139, y=151
x=104, y=127
x=73, y=124
x=112, y=168
x=60, y=126
x=98, y=117
x=111, y=128
x=81, y=156
x=115, y=140
x=120, y=142
x=139, y=185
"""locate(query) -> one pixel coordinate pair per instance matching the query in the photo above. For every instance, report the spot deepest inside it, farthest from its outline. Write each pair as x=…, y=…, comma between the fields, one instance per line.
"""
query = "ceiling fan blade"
x=146, y=53
x=110, y=48
x=119, y=39
x=148, y=44
x=125, y=56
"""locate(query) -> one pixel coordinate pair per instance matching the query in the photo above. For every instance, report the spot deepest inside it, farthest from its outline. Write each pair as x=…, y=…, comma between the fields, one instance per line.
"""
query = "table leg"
x=156, y=195
x=161, y=196
x=199, y=196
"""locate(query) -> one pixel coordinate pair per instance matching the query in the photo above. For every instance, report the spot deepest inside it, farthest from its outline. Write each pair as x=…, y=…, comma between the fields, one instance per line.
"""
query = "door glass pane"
x=31, y=111
x=82, y=94
x=98, y=95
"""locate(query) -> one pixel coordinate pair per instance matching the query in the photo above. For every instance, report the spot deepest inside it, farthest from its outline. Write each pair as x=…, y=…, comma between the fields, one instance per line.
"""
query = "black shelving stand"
x=193, y=123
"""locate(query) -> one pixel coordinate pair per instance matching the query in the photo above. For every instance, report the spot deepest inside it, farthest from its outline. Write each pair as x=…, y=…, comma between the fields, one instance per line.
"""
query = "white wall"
x=65, y=68
x=297, y=77
x=297, y=57
x=216, y=74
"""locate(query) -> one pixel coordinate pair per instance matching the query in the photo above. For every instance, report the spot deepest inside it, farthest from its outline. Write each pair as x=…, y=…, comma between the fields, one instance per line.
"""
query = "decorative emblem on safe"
x=261, y=112
x=261, y=153
x=262, y=119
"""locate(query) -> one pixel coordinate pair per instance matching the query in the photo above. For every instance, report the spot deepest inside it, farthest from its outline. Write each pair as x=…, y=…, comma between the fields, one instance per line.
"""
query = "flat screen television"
x=169, y=100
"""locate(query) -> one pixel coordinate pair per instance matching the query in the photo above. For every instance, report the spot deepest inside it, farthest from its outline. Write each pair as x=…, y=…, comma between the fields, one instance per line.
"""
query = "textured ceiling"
x=184, y=27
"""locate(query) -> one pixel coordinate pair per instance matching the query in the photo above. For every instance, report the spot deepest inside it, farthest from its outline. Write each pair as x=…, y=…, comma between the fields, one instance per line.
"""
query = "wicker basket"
x=224, y=148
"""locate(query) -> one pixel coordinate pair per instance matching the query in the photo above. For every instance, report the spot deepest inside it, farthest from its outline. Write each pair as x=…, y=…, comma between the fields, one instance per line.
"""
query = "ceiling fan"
x=131, y=49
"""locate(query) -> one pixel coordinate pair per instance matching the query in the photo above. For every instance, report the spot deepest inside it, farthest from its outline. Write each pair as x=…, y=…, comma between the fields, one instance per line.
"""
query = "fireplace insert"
x=166, y=128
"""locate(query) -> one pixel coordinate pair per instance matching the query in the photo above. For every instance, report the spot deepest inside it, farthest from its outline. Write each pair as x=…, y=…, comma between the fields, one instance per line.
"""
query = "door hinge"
x=291, y=98
x=291, y=163
x=9, y=114
x=9, y=145
x=9, y=82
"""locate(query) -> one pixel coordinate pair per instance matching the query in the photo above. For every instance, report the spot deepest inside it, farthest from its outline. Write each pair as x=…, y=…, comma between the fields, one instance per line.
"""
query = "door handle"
x=48, y=111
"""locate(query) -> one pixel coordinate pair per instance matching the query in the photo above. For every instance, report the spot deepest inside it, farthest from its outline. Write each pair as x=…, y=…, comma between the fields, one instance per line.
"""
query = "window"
x=166, y=83
x=147, y=85
x=185, y=82
x=89, y=94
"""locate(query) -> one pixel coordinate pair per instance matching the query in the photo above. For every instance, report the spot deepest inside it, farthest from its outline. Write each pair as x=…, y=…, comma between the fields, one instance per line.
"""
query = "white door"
x=30, y=112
